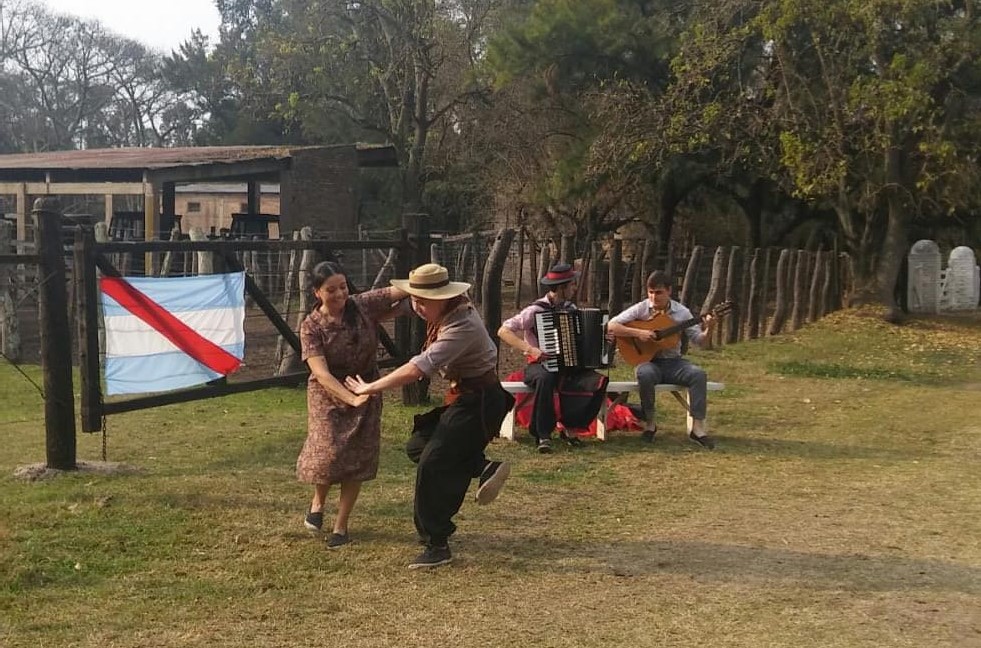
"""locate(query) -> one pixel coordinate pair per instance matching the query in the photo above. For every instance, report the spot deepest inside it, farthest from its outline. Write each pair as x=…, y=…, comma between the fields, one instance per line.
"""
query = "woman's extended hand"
x=359, y=400
x=358, y=386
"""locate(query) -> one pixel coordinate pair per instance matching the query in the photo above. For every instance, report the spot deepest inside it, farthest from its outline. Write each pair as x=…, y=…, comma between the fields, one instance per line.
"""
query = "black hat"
x=559, y=274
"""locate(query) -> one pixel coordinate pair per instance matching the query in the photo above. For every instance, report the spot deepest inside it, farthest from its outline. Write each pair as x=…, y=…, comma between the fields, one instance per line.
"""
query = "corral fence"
x=71, y=257
x=772, y=288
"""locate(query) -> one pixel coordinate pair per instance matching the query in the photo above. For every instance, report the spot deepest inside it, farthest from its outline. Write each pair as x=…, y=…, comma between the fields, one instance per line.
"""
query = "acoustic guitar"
x=666, y=334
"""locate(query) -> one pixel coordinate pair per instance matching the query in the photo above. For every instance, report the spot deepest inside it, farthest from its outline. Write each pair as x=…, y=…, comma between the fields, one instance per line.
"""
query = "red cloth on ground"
x=618, y=417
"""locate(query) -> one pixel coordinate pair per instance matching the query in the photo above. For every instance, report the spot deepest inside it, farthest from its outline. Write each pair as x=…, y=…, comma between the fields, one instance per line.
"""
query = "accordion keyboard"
x=548, y=342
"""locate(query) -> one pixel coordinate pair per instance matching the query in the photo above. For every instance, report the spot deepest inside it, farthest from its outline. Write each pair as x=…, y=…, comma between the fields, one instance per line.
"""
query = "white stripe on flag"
x=128, y=335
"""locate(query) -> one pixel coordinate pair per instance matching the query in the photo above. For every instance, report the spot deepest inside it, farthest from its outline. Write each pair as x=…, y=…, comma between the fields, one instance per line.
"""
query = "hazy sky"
x=161, y=24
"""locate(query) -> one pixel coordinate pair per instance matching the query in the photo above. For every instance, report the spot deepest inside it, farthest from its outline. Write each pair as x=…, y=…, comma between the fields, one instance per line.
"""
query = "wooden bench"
x=678, y=391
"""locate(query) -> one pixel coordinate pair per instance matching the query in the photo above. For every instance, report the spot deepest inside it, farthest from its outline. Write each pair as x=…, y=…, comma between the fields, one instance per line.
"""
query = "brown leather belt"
x=471, y=385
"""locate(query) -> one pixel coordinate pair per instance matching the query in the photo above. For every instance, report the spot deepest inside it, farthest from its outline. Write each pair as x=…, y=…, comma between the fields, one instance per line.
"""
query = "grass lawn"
x=842, y=508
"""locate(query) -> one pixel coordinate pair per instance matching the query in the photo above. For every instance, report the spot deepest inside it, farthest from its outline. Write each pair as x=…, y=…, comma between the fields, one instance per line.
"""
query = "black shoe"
x=705, y=440
x=314, y=521
x=647, y=436
x=433, y=556
x=336, y=540
x=571, y=439
x=492, y=481
x=544, y=446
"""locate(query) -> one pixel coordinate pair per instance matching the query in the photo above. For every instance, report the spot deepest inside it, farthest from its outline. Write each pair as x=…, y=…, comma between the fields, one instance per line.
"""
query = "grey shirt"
x=644, y=310
x=462, y=349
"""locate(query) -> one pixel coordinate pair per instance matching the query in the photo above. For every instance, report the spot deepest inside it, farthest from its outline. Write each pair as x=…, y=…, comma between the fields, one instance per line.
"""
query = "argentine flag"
x=166, y=333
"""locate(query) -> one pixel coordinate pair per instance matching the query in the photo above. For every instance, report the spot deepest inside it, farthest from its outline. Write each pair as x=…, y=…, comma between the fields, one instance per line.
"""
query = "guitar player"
x=642, y=323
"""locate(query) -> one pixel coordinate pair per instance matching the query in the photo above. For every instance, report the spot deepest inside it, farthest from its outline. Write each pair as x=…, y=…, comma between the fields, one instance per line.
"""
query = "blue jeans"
x=672, y=371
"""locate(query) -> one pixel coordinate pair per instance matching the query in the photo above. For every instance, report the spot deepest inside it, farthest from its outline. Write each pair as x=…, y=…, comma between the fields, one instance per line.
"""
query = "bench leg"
x=683, y=398
x=507, y=426
x=601, y=422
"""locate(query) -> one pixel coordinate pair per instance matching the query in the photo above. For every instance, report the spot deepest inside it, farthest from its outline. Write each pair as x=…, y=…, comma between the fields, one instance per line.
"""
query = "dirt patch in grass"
x=40, y=471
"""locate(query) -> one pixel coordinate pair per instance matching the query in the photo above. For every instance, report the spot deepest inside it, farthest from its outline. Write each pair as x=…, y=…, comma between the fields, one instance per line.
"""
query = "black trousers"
x=543, y=407
x=582, y=394
x=448, y=445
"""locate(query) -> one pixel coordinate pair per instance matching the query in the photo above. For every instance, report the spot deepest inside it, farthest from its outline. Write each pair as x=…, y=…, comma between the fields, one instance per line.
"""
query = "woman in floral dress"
x=340, y=338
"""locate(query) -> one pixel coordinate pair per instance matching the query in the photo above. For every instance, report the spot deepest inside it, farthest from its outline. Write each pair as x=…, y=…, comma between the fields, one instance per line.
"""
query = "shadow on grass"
x=715, y=562
x=676, y=443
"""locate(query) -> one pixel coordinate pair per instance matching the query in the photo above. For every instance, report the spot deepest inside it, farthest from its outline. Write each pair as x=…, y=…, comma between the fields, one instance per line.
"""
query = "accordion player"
x=573, y=339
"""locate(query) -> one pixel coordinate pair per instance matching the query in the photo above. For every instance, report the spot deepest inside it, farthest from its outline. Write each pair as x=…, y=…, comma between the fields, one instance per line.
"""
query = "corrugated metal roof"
x=143, y=158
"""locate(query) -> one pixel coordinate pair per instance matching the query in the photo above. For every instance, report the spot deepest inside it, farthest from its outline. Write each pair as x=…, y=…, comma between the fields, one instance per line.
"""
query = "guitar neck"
x=680, y=326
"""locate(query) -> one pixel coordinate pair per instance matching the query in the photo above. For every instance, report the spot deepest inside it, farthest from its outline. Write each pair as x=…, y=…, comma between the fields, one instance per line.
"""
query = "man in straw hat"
x=521, y=333
x=448, y=442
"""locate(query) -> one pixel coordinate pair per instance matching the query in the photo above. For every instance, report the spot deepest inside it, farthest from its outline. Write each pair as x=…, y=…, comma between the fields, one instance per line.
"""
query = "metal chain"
x=105, y=432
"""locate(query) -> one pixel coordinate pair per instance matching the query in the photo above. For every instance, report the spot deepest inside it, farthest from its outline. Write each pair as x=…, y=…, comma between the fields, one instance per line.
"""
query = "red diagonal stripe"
x=184, y=337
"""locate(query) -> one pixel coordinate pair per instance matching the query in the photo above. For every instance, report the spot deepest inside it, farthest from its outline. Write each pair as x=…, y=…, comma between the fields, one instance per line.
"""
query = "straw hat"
x=431, y=281
x=559, y=274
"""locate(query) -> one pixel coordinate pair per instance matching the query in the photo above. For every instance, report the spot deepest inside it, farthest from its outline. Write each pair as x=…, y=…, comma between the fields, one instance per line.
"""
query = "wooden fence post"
x=615, y=303
x=543, y=266
x=716, y=288
x=732, y=279
x=281, y=343
x=533, y=260
x=403, y=326
x=717, y=282
x=836, y=282
x=362, y=236
x=493, y=279
x=206, y=260
x=478, y=268
x=742, y=309
x=567, y=253
x=800, y=276
x=462, y=261
x=637, y=285
x=56, y=338
x=814, y=294
x=780, y=310
x=765, y=288
x=87, y=319
x=9, y=325
x=826, y=287
x=417, y=393
x=647, y=266
x=519, y=270
x=691, y=275
x=387, y=266
x=291, y=362
x=753, y=302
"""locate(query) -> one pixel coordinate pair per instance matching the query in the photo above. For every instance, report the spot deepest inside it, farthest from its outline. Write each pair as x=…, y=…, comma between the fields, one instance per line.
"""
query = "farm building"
x=314, y=185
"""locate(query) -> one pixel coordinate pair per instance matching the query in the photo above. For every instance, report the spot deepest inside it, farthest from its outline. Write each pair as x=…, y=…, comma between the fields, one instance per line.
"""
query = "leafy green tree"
x=395, y=71
x=868, y=108
x=569, y=53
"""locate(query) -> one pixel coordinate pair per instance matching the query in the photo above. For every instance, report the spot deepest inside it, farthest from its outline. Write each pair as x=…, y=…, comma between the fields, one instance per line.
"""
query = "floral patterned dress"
x=343, y=442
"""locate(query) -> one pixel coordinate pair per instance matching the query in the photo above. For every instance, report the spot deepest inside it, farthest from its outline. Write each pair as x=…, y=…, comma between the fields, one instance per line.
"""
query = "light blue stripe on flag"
x=181, y=294
x=159, y=372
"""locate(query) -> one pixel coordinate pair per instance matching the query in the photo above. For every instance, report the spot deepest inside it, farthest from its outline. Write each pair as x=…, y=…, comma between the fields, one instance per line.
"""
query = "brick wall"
x=321, y=190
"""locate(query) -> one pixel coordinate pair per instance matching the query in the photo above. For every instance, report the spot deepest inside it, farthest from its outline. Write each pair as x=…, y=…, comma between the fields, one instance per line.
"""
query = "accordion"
x=573, y=339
